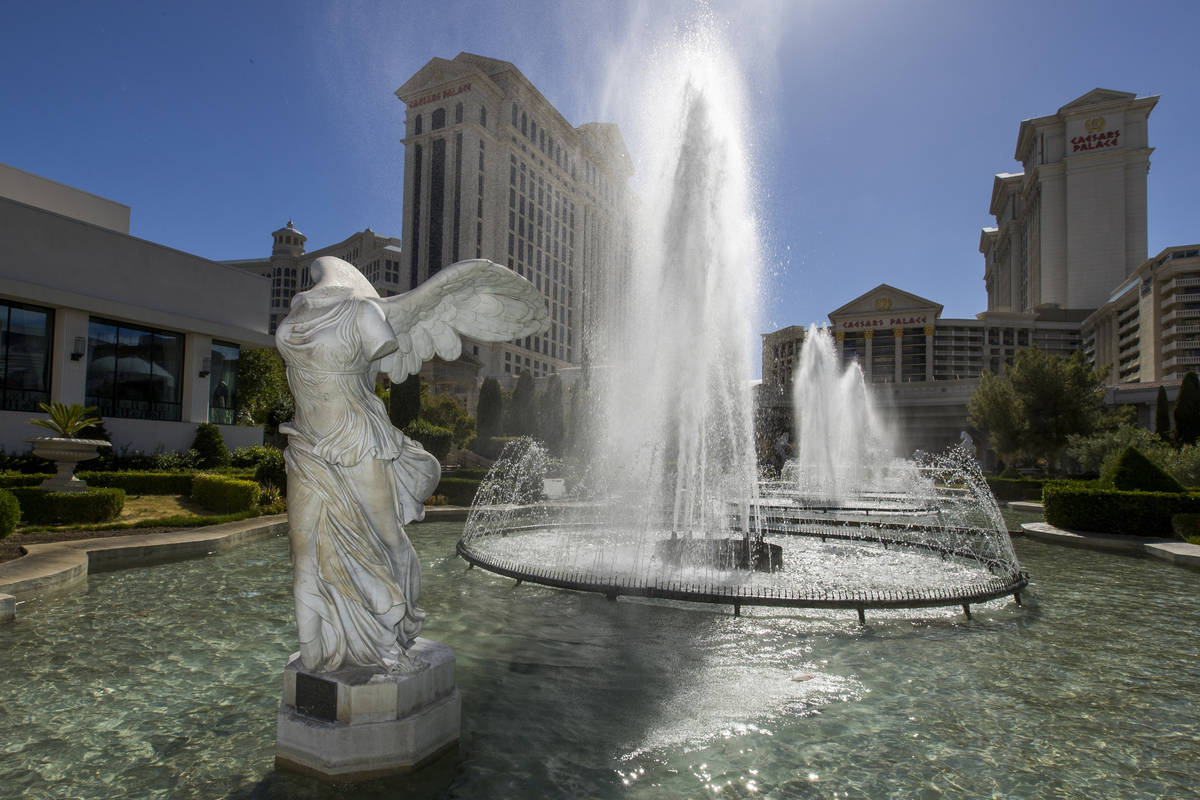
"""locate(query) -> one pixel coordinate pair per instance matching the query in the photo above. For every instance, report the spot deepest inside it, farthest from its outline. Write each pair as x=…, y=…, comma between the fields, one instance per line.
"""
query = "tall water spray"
x=676, y=404
x=843, y=445
x=671, y=506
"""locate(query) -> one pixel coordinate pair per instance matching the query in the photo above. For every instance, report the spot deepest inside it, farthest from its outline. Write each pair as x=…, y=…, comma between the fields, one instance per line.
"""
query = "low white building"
x=89, y=314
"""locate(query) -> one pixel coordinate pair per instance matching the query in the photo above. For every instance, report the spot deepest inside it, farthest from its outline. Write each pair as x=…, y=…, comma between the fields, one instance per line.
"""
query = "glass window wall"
x=25, y=342
x=134, y=372
x=222, y=383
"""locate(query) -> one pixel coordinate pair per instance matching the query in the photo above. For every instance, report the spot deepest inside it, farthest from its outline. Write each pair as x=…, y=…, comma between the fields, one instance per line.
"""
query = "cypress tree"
x=1162, y=416
x=522, y=410
x=1187, y=410
x=404, y=401
x=550, y=421
x=489, y=416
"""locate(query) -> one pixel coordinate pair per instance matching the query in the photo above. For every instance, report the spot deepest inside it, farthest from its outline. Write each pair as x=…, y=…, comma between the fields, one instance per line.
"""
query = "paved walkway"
x=54, y=566
x=1173, y=550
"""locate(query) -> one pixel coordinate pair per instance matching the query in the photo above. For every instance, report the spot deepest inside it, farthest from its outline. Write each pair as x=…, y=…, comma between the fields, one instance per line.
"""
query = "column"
x=868, y=335
x=195, y=396
x=929, y=352
x=899, y=334
x=68, y=375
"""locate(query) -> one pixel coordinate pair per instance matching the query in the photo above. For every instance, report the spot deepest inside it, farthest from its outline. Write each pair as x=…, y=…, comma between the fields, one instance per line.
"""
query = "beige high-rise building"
x=1072, y=225
x=1065, y=269
x=492, y=170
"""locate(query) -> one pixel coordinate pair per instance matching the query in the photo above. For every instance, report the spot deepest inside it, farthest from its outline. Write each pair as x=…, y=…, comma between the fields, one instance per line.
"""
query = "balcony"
x=1181, y=361
x=1180, y=314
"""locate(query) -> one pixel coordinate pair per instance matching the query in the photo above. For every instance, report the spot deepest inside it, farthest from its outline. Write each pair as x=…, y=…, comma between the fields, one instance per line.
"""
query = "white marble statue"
x=353, y=479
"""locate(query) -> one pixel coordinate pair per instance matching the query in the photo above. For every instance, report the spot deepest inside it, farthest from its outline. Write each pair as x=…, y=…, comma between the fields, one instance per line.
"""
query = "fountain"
x=673, y=507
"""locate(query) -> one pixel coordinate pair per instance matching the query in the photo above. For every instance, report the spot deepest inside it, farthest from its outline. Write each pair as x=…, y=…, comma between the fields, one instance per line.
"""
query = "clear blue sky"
x=877, y=126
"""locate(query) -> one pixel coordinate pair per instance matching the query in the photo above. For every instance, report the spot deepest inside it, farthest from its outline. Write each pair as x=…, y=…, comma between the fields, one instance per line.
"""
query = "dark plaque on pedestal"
x=316, y=697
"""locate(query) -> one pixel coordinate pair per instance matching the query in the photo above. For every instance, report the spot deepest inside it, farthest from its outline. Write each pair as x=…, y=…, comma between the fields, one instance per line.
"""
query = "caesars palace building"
x=1065, y=268
x=491, y=170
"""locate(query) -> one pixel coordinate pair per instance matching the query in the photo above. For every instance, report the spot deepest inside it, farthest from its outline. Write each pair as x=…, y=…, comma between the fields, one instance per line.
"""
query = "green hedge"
x=11, y=480
x=473, y=474
x=141, y=482
x=10, y=513
x=1114, y=511
x=65, y=508
x=224, y=495
x=272, y=471
x=458, y=491
x=1009, y=489
x=1133, y=472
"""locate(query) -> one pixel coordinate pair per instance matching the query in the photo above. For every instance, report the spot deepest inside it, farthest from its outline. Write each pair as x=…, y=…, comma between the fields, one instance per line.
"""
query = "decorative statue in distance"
x=353, y=479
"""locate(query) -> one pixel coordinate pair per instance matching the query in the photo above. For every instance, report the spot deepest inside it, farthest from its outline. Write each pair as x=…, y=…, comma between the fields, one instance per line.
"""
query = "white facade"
x=101, y=318
x=377, y=257
x=1072, y=225
x=492, y=170
x=1148, y=332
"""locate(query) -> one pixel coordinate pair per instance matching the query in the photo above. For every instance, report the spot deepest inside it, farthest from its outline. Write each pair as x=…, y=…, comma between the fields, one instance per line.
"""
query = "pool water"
x=164, y=682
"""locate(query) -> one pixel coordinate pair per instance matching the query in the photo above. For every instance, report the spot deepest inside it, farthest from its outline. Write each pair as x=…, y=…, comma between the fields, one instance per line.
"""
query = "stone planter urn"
x=66, y=453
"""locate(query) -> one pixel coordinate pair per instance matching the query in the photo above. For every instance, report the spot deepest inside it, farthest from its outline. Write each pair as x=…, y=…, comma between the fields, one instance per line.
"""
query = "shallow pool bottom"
x=163, y=682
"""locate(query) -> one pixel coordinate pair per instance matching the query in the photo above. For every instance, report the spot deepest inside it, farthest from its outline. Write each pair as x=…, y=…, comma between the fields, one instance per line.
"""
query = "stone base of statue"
x=359, y=723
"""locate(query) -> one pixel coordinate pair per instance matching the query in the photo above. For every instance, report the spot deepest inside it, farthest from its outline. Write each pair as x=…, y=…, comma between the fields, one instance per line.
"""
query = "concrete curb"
x=59, y=565
x=1172, y=550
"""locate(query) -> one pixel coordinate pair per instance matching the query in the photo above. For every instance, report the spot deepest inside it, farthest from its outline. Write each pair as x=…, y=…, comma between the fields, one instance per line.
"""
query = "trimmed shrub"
x=272, y=471
x=224, y=495
x=1186, y=526
x=176, y=462
x=141, y=482
x=457, y=491
x=1008, y=489
x=473, y=474
x=66, y=508
x=436, y=440
x=11, y=480
x=210, y=445
x=253, y=455
x=1133, y=472
x=1114, y=511
x=10, y=513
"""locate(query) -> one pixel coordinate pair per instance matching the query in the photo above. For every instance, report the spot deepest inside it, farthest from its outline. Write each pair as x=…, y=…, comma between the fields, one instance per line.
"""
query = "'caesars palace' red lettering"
x=894, y=322
x=1095, y=141
x=429, y=98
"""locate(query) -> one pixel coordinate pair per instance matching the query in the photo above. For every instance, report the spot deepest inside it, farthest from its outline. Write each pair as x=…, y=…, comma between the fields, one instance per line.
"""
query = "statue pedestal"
x=360, y=723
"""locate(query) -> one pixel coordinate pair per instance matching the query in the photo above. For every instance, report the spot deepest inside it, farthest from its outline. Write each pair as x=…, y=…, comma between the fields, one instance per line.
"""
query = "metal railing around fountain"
x=1009, y=582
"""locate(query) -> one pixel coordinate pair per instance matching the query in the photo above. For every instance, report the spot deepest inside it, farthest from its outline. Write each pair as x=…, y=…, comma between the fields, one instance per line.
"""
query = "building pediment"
x=1096, y=97
x=885, y=307
x=431, y=80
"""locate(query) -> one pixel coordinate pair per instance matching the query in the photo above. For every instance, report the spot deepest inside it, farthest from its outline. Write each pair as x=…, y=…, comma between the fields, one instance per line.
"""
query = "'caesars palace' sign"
x=442, y=95
x=1097, y=138
x=883, y=322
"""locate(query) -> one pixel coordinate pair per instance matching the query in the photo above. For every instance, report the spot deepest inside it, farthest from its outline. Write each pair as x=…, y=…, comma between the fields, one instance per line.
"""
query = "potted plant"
x=65, y=450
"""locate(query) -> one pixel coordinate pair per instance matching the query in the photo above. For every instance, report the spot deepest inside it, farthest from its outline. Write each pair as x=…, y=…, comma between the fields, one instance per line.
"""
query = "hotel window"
x=25, y=337
x=438, y=119
x=222, y=383
x=417, y=125
x=483, y=116
x=134, y=372
x=458, y=113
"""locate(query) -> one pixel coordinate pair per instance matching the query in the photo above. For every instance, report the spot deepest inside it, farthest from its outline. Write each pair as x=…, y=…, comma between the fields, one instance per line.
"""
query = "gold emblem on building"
x=1094, y=125
x=883, y=303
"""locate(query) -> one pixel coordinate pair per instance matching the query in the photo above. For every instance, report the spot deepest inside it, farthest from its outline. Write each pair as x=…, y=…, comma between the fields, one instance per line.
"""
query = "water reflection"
x=163, y=682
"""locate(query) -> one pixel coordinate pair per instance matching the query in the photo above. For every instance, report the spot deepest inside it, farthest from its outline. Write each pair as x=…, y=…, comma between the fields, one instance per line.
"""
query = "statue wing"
x=475, y=298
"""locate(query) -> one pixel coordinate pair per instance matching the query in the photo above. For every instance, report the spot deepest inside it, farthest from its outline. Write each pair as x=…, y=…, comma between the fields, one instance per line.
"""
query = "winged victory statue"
x=354, y=480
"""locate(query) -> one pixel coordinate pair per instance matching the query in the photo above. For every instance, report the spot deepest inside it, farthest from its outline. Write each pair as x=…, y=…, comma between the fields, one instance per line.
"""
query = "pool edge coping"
x=1171, y=550
x=55, y=566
